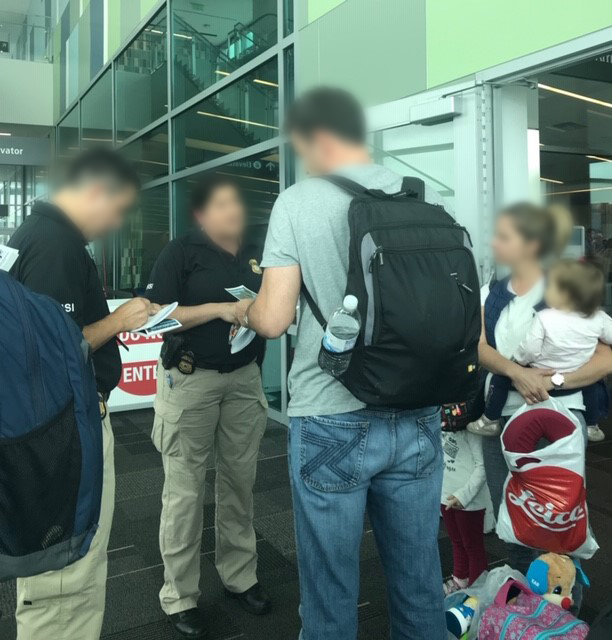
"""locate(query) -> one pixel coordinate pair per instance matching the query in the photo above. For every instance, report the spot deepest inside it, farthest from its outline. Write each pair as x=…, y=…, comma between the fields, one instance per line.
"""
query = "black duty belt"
x=223, y=368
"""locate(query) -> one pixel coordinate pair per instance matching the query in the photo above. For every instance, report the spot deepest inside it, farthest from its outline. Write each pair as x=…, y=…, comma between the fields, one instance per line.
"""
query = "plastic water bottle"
x=340, y=338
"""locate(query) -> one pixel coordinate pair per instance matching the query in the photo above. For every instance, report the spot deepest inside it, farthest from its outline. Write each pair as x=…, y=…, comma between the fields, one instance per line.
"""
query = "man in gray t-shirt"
x=309, y=228
x=346, y=457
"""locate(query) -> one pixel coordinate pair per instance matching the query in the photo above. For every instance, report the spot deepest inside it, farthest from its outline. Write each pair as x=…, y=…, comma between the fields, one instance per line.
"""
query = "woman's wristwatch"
x=558, y=380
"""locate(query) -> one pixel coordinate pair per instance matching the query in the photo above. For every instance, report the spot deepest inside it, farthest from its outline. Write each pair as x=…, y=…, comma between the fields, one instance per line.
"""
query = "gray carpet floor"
x=135, y=569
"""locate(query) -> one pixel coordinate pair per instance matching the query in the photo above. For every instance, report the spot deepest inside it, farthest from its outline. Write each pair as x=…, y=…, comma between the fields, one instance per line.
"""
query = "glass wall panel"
x=420, y=151
x=97, y=114
x=11, y=199
x=68, y=135
x=289, y=75
x=35, y=186
x=576, y=155
x=241, y=115
x=212, y=40
x=142, y=81
x=145, y=233
x=290, y=168
x=288, y=5
x=149, y=153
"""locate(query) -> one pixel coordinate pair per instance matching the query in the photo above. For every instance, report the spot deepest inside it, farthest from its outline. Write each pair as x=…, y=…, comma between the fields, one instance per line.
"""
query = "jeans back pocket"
x=332, y=452
x=430, y=444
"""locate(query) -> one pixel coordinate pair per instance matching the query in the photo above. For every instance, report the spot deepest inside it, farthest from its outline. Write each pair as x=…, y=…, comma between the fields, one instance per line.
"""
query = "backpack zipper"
x=421, y=225
x=380, y=250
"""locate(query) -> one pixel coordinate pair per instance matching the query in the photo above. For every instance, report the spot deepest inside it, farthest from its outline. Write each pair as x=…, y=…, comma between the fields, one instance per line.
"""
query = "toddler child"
x=464, y=501
x=562, y=337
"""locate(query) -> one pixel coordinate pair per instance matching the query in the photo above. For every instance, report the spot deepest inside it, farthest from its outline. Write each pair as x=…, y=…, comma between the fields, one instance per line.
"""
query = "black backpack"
x=413, y=272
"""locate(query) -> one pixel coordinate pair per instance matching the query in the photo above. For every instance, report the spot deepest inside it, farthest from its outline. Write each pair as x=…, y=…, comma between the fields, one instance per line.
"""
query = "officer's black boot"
x=254, y=600
x=190, y=623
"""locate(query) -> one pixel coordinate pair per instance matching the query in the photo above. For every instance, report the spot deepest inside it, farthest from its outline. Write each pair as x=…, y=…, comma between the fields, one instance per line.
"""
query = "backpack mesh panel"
x=39, y=484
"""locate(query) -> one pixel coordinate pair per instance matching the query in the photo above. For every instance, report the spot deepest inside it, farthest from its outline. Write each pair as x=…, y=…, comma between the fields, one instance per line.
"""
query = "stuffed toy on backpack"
x=553, y=577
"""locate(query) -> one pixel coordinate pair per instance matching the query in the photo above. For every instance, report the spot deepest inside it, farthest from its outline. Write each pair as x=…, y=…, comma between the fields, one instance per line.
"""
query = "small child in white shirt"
x=562, y=337
x=463, y=504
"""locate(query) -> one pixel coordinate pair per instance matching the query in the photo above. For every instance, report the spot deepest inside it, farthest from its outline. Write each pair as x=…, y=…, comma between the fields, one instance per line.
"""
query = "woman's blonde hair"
x=550, y=226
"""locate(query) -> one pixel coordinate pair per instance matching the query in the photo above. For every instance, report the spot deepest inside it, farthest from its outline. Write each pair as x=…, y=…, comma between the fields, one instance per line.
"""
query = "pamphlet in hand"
x=242, y=293
x=241, y=337
x=8, y=257
x=160, y=322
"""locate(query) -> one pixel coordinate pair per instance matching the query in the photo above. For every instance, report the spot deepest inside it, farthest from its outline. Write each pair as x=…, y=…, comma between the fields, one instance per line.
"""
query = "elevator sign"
x=25, y=151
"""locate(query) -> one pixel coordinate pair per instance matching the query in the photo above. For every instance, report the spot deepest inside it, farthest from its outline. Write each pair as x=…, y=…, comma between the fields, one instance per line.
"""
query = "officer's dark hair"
x=104, y=165
x=206, y=187
x=327, y=109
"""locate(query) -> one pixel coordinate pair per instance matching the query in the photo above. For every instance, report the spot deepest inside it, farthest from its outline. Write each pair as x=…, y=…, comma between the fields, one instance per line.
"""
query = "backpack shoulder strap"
x=413, y=188
x=350, y=186
x=316, y=312
x=354, y=189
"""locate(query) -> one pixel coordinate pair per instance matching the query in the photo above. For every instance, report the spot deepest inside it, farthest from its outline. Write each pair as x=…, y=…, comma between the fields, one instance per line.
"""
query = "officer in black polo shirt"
x=99, y=188
x=208, y=398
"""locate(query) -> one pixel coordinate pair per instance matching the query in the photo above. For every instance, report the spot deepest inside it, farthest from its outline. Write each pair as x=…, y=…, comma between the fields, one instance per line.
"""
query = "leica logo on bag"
x=545, y=515
x=547, y=508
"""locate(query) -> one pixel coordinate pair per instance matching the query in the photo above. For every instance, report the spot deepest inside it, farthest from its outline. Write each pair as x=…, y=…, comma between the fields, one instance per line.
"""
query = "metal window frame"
x=507, y=84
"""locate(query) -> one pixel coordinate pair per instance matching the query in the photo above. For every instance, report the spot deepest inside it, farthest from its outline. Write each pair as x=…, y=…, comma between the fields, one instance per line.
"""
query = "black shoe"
x=190, y=623
x=254, y=600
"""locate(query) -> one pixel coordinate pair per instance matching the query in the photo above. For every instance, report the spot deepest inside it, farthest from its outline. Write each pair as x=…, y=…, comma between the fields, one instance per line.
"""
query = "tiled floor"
x=135, y=571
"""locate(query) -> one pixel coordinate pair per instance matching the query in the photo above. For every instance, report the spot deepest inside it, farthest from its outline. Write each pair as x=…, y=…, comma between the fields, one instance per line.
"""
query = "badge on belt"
x=255, y=268
x=186, y=364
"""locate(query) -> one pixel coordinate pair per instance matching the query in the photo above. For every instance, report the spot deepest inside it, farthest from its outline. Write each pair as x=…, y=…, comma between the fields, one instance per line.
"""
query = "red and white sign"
x=137, y=387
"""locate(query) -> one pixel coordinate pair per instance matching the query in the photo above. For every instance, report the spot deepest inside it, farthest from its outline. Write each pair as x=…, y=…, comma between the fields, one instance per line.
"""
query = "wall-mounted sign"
x=4, y=46
x=27, y=151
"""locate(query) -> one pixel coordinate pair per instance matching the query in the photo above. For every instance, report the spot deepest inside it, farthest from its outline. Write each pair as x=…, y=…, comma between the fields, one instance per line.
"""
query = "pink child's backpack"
x=530, y=617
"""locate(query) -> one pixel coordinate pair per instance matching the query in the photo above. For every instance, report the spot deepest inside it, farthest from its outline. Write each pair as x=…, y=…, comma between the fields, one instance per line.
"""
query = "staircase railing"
x=253, y=34
x=216, y=54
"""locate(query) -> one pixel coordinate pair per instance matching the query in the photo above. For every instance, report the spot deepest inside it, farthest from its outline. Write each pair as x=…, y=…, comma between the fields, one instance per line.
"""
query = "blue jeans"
x=389, y=462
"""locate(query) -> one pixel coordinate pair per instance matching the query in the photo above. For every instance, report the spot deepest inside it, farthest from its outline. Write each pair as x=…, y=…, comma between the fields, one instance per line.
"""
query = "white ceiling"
x=15, y=6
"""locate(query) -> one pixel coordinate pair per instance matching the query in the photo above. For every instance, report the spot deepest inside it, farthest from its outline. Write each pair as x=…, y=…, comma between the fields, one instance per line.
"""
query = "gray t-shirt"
x=309, y=227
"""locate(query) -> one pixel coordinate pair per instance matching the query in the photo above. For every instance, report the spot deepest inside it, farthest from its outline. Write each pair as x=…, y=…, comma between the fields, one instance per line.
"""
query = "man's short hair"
x=101, y=165
x=326, y=109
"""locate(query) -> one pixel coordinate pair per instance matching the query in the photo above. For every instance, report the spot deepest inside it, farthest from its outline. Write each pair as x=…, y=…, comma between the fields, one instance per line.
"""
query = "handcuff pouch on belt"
x=174, y=353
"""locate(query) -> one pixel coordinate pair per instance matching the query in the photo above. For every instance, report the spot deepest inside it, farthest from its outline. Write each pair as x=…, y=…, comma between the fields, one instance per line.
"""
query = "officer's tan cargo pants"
x=69, y=604
x=195, y=415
